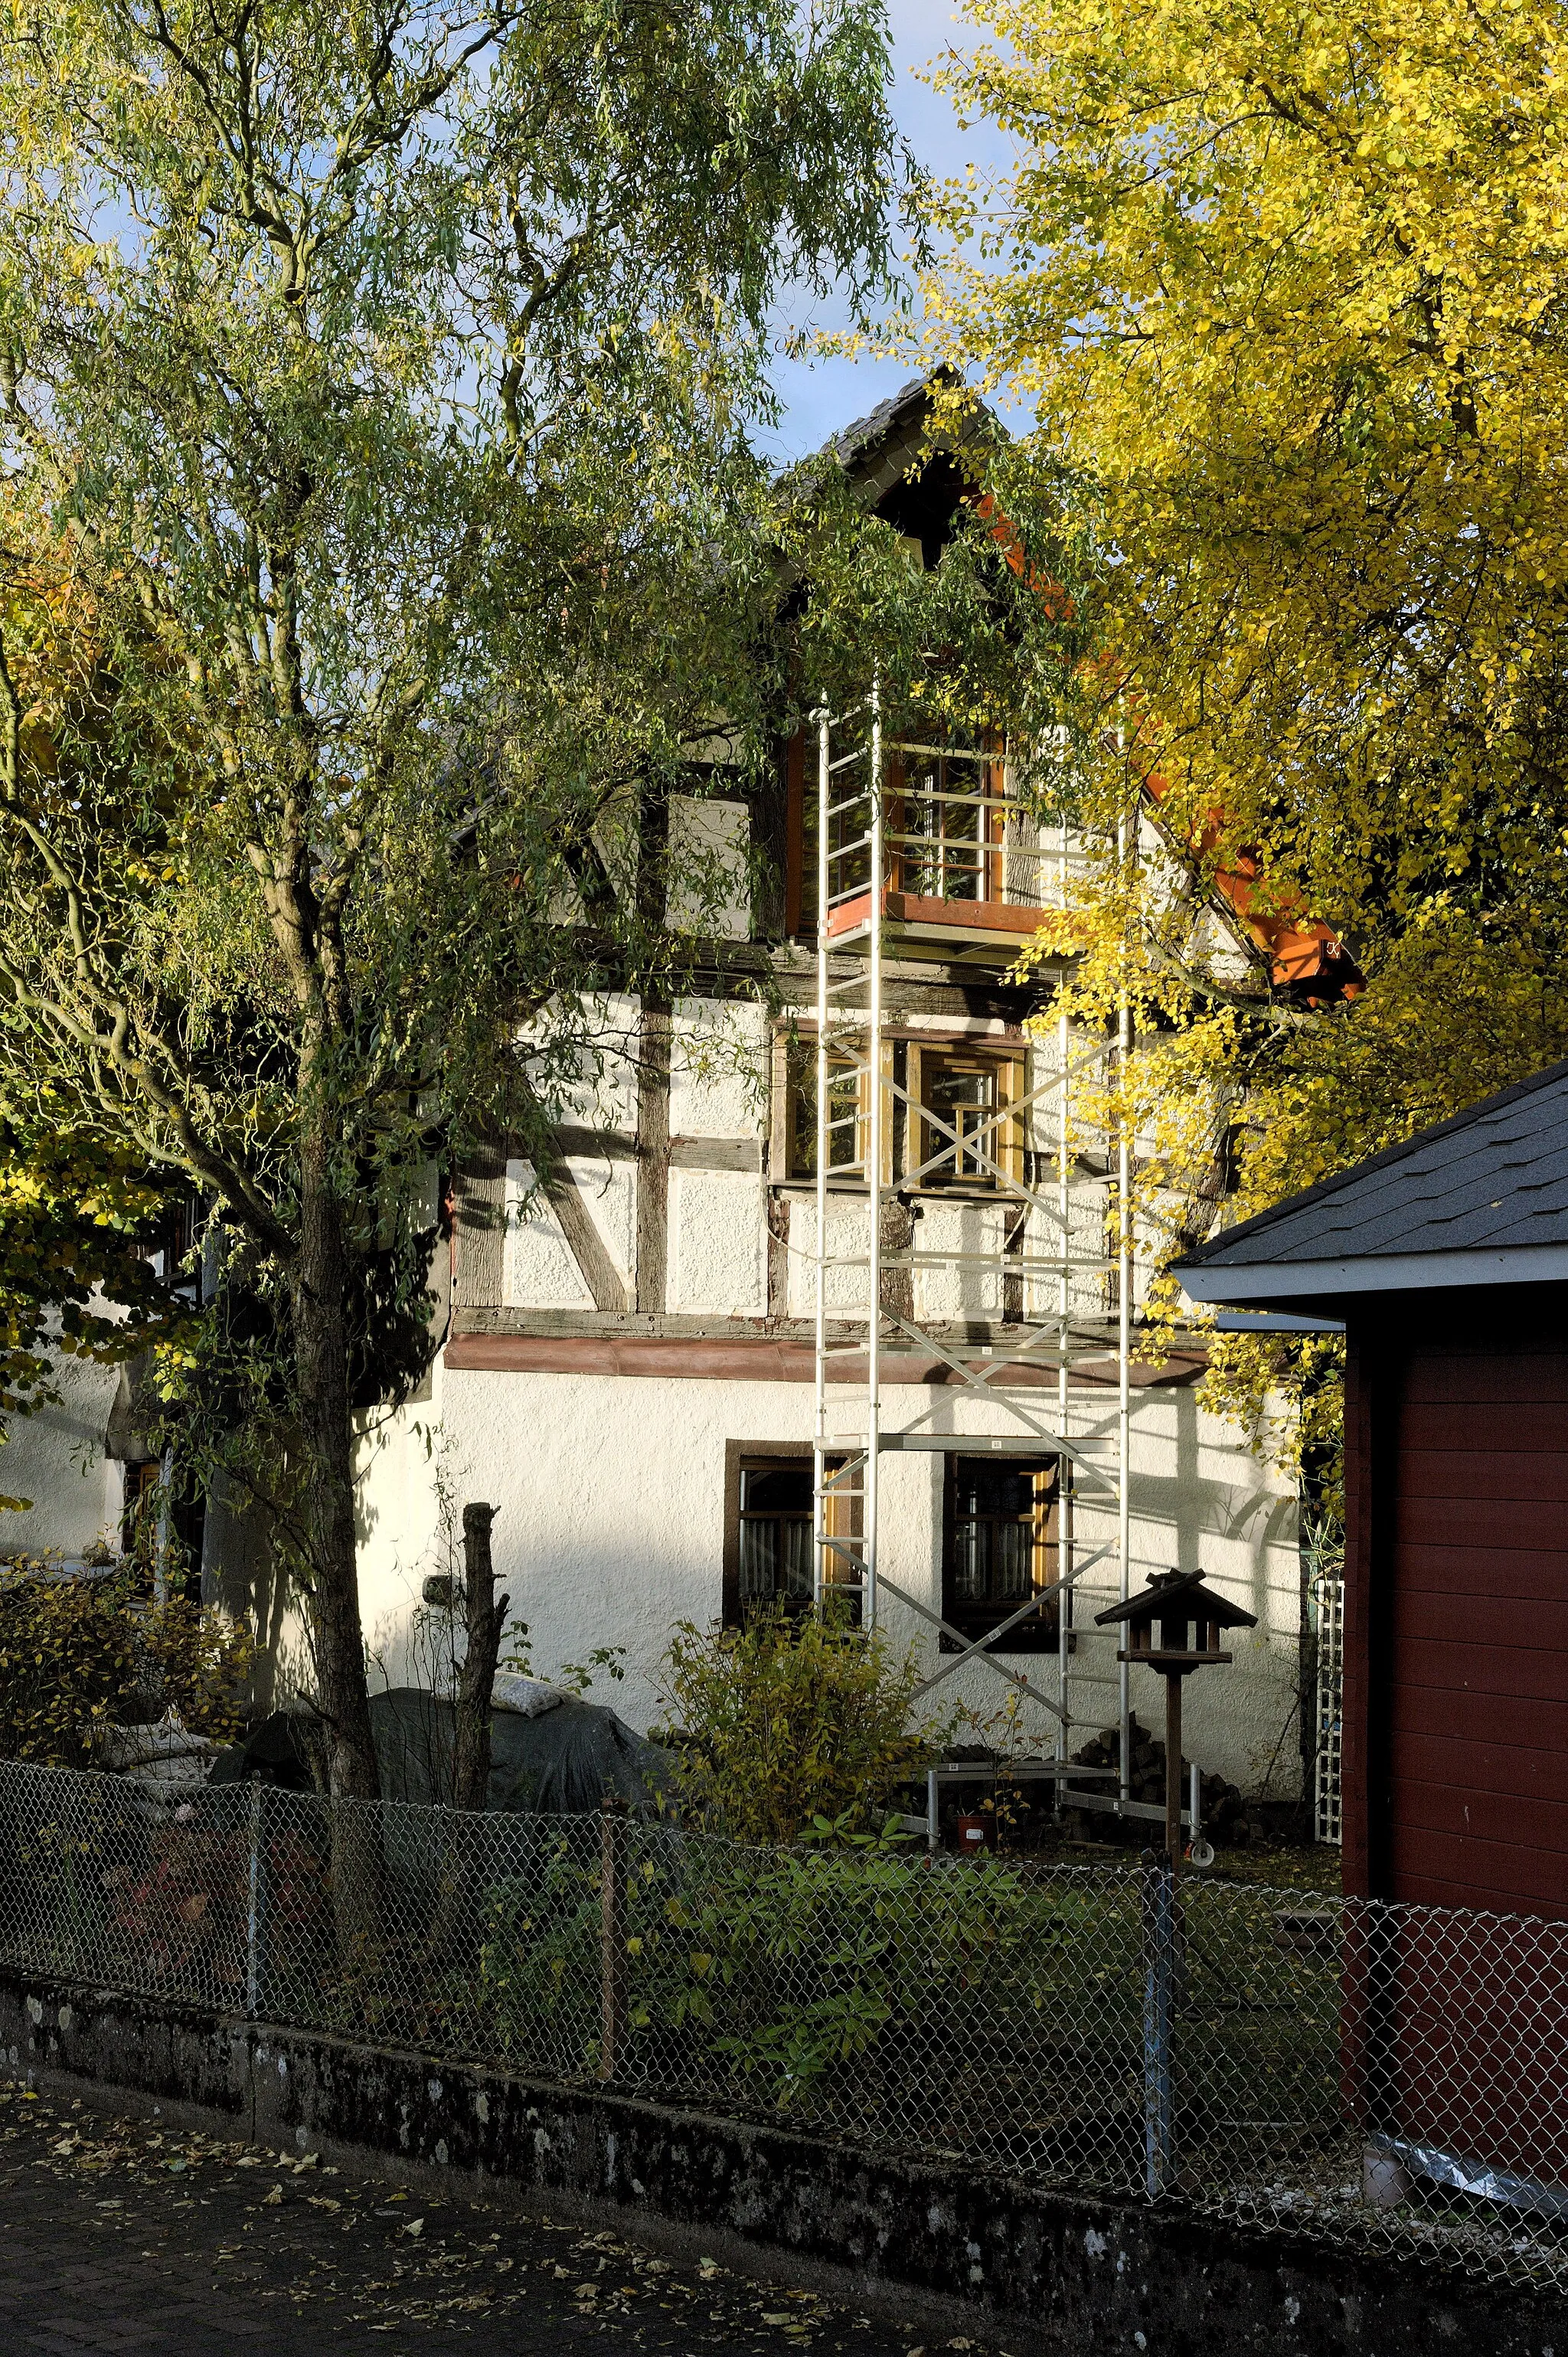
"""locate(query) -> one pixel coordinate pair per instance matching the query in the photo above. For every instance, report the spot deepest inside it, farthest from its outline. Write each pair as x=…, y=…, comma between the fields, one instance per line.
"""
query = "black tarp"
x=561, y=1763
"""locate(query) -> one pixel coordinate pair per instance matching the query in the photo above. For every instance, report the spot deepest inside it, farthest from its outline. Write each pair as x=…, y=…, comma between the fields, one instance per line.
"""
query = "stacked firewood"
x=1224, y=1812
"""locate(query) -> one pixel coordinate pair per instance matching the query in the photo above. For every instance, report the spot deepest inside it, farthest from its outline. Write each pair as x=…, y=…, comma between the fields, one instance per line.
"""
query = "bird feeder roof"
x=1170, y=1593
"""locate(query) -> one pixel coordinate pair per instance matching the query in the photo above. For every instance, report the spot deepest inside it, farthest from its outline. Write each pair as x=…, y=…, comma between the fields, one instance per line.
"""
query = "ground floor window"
x=1000, y=1537
x=767, y=1528
x=162, y=1525
x=775, y=1508
x=144, y=1498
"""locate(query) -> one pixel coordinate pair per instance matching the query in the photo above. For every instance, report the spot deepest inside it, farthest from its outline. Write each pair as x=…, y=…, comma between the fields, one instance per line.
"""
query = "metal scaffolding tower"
x=991, y=1239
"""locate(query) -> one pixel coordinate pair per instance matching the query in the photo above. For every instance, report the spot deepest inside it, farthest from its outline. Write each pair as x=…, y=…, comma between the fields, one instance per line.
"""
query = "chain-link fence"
x=1392, y=2076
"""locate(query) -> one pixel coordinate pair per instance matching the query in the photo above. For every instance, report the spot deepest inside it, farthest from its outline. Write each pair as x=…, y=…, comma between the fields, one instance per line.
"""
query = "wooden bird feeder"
x=1191, y=1617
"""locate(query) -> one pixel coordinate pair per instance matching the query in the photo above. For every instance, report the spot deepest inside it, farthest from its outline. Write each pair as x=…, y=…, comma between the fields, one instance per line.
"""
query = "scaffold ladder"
x=1059, y=1279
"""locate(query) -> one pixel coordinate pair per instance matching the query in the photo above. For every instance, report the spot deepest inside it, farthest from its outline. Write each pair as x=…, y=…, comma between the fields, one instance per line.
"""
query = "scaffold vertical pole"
x=1123, y=1338
x=873, y=1182
x=1064, y=1311
x=819, y=1520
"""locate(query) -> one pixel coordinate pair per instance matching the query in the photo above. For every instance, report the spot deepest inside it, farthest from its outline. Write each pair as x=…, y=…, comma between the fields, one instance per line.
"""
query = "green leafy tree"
x=379, y=546
x=76, y=1275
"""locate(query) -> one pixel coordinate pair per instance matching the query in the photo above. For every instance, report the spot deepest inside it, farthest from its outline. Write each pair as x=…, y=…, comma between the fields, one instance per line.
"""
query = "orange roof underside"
x=1301, y=950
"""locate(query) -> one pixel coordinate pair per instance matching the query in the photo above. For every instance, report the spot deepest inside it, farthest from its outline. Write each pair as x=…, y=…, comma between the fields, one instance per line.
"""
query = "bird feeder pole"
x=1173, y=1770
x=1191, y=1617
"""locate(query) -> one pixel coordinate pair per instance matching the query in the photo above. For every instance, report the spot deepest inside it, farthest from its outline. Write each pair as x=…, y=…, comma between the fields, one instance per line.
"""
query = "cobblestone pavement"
x=116, y=2239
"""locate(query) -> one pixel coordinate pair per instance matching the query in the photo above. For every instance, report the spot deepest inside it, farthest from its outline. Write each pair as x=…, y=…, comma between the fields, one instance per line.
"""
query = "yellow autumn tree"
x=1286, y=286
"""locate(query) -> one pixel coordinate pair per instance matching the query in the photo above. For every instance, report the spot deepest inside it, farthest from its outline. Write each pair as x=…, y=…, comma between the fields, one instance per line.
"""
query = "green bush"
x=776, y=1968
x=69, y=1660
x=78, y=1654
x=200, y=1660
x=789, y=1720
x=795, y=1962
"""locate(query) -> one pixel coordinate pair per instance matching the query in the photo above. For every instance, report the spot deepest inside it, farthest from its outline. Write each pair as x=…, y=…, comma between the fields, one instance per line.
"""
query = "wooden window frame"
x=1040, y=1634
x=800, y=773
x=908, y=853
x=1005, y=1145
x=144, y=1477
x=791, y=1048
x=737, y=1455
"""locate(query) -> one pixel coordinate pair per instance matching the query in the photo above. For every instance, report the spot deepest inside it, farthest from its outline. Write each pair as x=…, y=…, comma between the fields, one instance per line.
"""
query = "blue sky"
x=821, y=396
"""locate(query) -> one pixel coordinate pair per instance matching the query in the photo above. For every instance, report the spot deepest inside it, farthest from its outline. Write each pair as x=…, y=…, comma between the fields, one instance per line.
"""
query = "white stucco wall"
x=538, y=1266
x=611, y=1503
x=610, y=1490
x=718, y=1238
x=718, y=1070
x=56, y=1460
x=411, y=1485
x=847, y=1230
x=610, y=1498
x=710, y=889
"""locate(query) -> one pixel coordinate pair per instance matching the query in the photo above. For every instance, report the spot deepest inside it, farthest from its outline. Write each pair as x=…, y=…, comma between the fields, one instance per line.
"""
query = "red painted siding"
x=1472, y=1685
x=1366, y=1388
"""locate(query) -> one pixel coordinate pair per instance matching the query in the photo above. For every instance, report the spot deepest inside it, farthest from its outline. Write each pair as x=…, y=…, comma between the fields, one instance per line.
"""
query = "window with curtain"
x=1000, y=1549
x=768, y=1549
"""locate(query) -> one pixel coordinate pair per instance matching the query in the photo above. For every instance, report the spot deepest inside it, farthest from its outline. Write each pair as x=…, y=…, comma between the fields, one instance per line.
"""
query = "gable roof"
x=882, y=448
x=894, y=429
x=1481, y=1198
x=889, y=446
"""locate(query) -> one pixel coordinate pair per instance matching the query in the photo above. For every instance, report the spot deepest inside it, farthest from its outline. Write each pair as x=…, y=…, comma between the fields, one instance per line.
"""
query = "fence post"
x=612, y=1932
x=253, y=1908
x=1157, y=1907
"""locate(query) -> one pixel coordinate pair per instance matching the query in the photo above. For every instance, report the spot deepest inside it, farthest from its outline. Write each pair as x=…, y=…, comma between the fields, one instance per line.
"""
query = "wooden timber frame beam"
x=482, y=1217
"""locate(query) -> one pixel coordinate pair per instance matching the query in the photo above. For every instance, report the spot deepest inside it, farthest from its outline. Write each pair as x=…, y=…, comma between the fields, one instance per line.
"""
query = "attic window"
x=946, y=827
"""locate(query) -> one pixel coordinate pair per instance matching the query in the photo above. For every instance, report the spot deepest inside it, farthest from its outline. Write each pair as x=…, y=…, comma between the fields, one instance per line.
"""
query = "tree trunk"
x=320, y=1288
x=486, y=1620
x=321, y=1359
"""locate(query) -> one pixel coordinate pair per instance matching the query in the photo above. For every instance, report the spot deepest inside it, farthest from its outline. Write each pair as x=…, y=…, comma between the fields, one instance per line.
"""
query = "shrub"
x=771, y=1970
x=789, y=1720
x=77, y=1654
x=200, y=1659
x=67, y=1662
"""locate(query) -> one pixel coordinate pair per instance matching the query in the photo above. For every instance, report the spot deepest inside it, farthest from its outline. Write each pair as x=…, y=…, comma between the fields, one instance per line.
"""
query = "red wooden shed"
x=1446, y=1261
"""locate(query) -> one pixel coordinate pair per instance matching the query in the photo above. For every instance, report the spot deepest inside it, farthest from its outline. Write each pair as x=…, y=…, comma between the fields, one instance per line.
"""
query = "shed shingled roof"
x=1492, y=1179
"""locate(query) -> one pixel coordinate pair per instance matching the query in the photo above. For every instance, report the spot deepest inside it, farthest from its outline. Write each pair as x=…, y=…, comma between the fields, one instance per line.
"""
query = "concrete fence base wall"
x=1068, y=2277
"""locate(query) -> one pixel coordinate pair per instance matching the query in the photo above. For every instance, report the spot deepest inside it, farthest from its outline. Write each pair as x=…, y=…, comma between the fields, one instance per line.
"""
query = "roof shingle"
x=1493, y=1179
